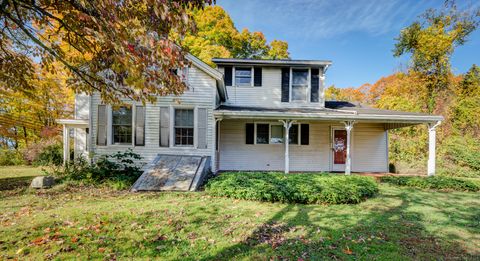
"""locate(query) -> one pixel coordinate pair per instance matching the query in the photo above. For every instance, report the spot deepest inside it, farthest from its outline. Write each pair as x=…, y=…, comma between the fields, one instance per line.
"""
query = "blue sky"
x=357, y=35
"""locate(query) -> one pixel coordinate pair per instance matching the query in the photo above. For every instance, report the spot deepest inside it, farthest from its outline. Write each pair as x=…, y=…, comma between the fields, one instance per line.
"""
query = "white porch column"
x=431, y=147
x=287, y=124
x=348, y=161
x=66, y=144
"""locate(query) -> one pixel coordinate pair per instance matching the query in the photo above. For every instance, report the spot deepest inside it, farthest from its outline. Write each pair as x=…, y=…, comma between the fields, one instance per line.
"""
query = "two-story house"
x=249, y=115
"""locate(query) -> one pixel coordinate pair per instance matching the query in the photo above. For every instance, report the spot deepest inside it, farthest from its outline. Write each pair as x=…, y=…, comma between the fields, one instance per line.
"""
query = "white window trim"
x=172, y=128
x=270, y=134
x=309, y=82
x=234, y=83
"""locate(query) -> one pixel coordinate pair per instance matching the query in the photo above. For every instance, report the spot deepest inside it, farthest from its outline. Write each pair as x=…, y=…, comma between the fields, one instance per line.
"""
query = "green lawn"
x=398, y=224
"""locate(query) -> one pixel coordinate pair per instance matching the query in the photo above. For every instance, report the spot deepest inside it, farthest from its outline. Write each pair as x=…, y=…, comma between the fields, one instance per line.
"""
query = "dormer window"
x=243, y=76
x=300, y=84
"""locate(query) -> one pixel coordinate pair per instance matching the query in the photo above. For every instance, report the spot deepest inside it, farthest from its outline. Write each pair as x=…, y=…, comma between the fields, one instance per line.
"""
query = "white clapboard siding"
x=201, y=94
x=267, y=95
x=82, y=106
x=82, y=110
x=369, y=150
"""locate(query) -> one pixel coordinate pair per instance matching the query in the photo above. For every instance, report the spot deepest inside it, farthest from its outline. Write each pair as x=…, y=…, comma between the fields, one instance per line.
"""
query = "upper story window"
x=122, y=125
x=243, y=76
x=184, y=127
x=300, y=84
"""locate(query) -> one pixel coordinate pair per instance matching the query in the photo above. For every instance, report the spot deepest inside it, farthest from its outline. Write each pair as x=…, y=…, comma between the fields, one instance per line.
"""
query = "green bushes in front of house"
x=434, y=182
x=306, y=188
x=118, y=171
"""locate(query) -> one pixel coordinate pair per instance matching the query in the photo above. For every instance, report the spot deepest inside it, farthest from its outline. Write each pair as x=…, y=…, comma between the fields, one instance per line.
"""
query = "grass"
x=398, y=224
x=17, y=176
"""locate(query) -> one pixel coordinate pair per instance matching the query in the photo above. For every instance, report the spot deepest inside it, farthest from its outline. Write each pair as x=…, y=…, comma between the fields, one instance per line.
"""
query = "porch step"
x=173, y=173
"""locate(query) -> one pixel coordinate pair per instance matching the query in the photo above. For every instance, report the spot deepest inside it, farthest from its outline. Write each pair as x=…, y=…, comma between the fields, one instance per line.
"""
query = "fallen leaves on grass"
x=348, y=251
x=270, y=233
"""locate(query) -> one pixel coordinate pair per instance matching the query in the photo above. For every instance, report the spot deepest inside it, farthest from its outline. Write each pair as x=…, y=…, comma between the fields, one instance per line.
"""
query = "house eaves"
x=273, y=63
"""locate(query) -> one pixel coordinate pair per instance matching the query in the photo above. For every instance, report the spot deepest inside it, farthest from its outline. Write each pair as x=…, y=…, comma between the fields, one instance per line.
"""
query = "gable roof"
x=217, y=75
x=271, y=62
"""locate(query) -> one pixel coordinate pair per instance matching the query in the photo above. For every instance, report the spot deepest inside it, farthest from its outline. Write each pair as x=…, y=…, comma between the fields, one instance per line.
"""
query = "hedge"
x=306, y=188
x=434, y=182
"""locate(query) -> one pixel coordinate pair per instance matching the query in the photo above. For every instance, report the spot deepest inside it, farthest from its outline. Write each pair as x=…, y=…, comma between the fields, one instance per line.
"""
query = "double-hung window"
x=184, y=128
x=243, y=76
x=300, y=85
x=122, y=125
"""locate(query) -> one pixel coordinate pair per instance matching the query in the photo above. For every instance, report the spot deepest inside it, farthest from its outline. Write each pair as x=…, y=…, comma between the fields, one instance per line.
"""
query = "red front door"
x=339, y=146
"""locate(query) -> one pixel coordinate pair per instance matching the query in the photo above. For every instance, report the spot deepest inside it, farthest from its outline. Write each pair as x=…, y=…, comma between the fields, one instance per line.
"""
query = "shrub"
x=10, y=157
x=49, y=155
x=44, y=152
x=460, y=156
x=293, y=188
x=434, y=182
x=118, y=170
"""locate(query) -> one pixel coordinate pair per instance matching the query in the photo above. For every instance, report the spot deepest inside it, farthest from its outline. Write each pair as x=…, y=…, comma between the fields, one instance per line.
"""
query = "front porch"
x=80, y=137
x=336, y=140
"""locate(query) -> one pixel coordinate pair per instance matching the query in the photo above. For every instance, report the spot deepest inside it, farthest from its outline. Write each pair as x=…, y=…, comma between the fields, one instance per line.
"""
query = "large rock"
x=43, y=182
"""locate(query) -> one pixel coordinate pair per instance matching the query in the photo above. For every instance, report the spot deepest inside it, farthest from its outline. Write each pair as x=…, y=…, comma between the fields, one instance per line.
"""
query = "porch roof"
x=73, y=123
x=334, y=110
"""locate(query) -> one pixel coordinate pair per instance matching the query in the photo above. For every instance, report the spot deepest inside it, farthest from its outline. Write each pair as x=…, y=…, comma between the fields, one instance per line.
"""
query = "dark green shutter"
x=164, y=126
x=315, y=83
x=102, y=125
x=305, y=134
x=202, y=121
x=257, y=76
x=285, y=84
x=249, y=131
x=139, y=126
x=228, y=75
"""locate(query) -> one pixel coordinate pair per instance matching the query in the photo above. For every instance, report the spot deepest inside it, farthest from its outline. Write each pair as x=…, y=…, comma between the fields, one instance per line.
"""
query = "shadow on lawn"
x=14, y=183
x=385, y=234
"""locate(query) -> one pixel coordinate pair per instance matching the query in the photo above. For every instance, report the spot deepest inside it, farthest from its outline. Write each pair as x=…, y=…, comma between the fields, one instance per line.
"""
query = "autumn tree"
x=28, y=116
x=217, y=36
x=123, y=47
x=431, y=42
x=464, y=112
